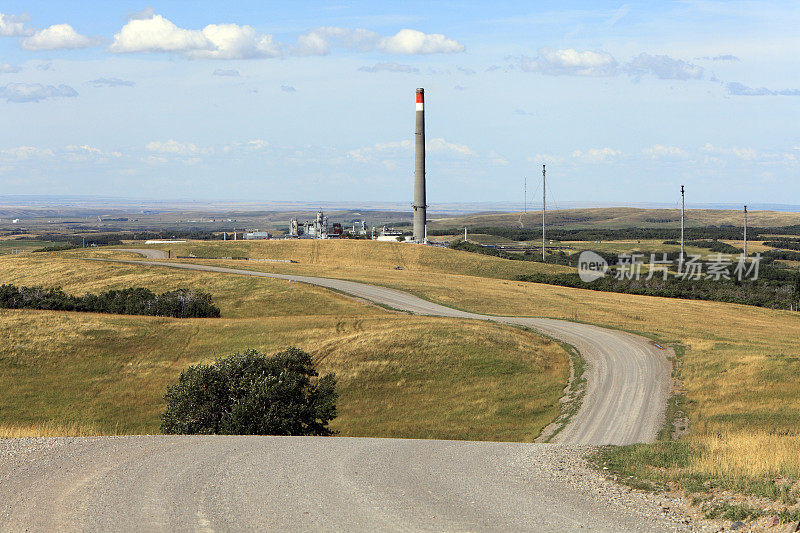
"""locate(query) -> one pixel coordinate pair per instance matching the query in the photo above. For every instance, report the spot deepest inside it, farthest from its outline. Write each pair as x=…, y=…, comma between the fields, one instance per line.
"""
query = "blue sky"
x=312, y=102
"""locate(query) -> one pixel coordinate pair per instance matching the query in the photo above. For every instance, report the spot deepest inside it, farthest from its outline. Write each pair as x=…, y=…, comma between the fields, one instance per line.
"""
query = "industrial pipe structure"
x=420, y=205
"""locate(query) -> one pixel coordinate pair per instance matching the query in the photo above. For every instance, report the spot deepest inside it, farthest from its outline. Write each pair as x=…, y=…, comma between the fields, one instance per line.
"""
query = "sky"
x=314, y=101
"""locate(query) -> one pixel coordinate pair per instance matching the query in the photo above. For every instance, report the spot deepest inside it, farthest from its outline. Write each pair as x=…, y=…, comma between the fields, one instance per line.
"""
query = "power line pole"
x=683, y=211
x=544, y=206
x=745, y=231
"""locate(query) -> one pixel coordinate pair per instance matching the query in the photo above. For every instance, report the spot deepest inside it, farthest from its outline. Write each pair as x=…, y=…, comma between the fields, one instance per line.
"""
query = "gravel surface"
x=221, y=483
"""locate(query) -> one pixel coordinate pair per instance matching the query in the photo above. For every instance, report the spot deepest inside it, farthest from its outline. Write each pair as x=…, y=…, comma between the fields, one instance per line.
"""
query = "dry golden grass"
x=50, y=429
x=399, y=376
x=235, y=295
x=748, y=454
x=325, y=255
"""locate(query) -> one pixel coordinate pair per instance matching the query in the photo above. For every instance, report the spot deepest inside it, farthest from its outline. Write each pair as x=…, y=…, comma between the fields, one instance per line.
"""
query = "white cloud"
x=85, y=152
x=149, y=32
x=12, y=26
x=415, y=42
x=599, y=63
x=257, y=144
x=389, y=67
x=663, y=67
x=596, y=155
x=737, y=89
x=659, y=151
x=231, y=41
x=34, y=92
x=747, y=154
x=172, y=147
x=25, y=152
x=6, y=68
x=215, y=41
x=319, y=41
x=441, y=145
x=433, y=145
x=157, y=34
x=570, y=62
x=56, y=37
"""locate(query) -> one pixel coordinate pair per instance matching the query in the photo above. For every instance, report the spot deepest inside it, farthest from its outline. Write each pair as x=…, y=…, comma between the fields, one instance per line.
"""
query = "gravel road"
x=216, y=483
x=220, y=483
x=149, y=253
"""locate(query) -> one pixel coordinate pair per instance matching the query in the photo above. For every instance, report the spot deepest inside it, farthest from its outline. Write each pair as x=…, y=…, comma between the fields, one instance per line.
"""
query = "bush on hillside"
x=252, y=394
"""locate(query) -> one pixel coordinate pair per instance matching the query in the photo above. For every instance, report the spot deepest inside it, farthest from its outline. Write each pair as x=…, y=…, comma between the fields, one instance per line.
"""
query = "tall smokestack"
x=420, y=204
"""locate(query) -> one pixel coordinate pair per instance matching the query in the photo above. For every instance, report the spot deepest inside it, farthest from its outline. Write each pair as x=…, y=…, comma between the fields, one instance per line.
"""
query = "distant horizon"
x=435, y=208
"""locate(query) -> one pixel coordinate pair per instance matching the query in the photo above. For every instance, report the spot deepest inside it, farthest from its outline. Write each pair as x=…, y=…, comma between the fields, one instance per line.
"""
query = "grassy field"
x=739, y=371
x=11, y=246
x=329, y=256
x=621, y=217
x=399, y=376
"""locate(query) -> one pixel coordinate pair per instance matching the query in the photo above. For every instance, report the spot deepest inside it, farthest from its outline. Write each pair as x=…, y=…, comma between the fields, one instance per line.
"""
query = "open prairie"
x=739, y=364
x=399, y=376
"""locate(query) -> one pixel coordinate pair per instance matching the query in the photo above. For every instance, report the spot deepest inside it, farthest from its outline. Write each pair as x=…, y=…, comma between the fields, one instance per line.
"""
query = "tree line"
x=180, y=303
x=775, y=288
x=588, y=234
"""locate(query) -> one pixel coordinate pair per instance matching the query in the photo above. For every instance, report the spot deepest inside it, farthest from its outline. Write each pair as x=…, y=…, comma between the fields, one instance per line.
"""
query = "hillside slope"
x=620, y=217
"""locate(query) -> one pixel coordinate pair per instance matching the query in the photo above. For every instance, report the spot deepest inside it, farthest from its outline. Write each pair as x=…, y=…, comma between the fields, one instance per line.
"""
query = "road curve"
x=150, y=253
x=628, y=377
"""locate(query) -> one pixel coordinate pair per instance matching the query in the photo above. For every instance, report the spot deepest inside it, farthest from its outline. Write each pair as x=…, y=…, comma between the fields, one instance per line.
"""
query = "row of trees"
x=180, y=303
x=775, y=288
x=707, y=232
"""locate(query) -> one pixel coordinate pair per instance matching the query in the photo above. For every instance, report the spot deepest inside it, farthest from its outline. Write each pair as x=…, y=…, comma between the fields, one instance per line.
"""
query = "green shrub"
x=252, y=394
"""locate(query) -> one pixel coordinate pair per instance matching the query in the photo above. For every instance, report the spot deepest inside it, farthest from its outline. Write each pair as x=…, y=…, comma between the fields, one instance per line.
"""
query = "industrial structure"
x=318, y=229
x=420, y=205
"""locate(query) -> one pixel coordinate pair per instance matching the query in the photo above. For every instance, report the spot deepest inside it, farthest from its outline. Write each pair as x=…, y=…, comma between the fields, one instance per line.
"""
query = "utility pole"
x=544, y=206
x=745, y=231
x=525, y=188
x=465, y=234
x=683, y=211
